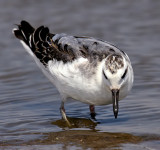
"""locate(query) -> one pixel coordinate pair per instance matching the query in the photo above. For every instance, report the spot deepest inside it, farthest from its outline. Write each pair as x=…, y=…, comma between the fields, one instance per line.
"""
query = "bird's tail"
x=24, y=31
x=35, y=41
x=29, y=35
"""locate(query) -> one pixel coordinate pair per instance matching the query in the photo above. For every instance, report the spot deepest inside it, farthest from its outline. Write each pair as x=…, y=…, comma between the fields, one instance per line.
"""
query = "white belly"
x=71, y=83
x=85, y=92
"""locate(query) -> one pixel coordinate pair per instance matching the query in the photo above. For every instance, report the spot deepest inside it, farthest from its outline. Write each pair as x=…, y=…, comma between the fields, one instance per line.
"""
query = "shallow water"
x=29, y=103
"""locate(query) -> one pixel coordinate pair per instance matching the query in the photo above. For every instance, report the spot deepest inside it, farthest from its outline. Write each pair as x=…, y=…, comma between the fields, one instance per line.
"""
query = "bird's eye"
x=123, y=76
x=105, y=75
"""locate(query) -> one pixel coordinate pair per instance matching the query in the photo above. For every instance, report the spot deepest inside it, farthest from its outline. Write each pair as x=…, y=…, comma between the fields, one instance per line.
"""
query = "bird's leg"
x=62, y=110
x=92, y=112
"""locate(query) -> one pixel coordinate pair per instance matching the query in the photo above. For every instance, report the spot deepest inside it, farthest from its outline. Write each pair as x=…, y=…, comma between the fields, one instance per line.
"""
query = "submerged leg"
x=62, y=110
x=92, y=111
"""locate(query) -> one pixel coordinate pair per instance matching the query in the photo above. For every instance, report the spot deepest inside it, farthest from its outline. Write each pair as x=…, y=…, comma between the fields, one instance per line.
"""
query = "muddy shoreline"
x=84, y=139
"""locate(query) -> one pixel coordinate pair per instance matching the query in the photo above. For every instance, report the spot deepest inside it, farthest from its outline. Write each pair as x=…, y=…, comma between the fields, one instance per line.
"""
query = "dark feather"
x=62, y=47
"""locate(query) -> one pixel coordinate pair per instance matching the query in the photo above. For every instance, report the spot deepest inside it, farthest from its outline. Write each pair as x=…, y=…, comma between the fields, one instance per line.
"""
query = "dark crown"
x=114, y=62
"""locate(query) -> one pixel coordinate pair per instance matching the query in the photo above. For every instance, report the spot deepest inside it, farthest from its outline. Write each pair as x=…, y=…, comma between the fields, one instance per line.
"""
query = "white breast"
x=72, y=83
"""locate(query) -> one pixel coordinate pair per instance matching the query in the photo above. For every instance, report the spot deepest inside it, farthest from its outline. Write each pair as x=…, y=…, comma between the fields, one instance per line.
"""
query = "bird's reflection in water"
x=76, y=123
x=85, y=138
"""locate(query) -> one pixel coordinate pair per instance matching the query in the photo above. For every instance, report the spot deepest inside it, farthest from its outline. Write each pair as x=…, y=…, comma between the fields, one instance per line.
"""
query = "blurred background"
x=29, y=103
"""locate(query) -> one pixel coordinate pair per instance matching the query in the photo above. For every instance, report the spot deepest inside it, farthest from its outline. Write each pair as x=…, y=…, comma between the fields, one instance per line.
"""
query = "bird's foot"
x=93, y=118
x=62, y=110
x=65, y=118
x=93, y=114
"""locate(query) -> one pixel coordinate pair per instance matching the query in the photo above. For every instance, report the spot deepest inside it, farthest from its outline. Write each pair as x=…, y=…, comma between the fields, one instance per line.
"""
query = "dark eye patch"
x=105, y=75
x=123, y=76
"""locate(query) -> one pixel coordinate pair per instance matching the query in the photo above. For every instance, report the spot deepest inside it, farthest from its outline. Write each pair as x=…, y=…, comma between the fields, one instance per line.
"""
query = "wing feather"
x=61, y=47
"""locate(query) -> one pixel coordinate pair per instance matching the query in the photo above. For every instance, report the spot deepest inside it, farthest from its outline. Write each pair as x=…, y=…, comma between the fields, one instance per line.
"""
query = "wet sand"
x=75, y=135
x=83, y=139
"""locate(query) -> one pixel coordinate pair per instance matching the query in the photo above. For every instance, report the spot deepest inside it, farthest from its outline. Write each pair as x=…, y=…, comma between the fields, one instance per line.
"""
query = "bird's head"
x=115, y=75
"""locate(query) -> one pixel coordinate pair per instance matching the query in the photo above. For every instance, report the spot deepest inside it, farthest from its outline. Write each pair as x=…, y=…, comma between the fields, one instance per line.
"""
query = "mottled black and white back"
x=82, y=68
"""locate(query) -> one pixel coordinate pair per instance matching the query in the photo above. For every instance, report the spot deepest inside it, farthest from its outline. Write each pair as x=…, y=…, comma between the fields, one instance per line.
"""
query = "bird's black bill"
x=115, y=98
